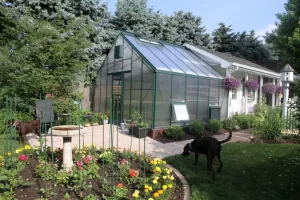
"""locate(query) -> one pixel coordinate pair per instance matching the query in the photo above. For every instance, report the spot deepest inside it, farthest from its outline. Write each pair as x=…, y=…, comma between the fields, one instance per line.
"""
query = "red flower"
x=120, y=185
x=22, y=157
x=133, y=173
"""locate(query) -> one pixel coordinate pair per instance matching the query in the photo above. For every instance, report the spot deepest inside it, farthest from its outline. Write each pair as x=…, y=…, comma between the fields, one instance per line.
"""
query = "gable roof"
x=230, y=58
x=166, y=57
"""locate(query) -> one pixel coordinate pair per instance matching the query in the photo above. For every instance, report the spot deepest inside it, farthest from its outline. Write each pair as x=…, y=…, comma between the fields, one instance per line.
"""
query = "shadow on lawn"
x=251, y=171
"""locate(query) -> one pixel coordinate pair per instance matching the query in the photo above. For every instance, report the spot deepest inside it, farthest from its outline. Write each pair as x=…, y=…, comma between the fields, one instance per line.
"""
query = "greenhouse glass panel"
x=141, y=46
x=177, y=61
x=156, y=49
x=203, y=99
x=111, y=54
x=111, y=67
x=127, y=65
x=178, y=88
x=147, y=93
x=127, y=50
x=103, y=92
x=109, y=94
x=136, y=72
x=173, y=49
x=223, y=102
x=191, y=96
x=202, y=65
x=214, y=93
x=163, y=106
x=97, y=95
x=126, y=98
x=118, y=66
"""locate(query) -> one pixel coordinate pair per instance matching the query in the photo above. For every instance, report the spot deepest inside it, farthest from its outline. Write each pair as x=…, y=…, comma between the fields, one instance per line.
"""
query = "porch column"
x=261, y=82
x=246, y=95
x=279, y=95
x=273, y=95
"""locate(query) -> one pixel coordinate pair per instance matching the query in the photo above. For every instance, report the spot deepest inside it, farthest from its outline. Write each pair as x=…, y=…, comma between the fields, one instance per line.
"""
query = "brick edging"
x=186, y=187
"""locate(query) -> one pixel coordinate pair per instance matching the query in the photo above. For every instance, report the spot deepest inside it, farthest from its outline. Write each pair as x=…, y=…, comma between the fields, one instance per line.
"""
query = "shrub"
x=260, y=112
x=214, y=125
x=174, y=132
x=229, y=123
x=244, y=121
x=273, y=124
x=196, y=128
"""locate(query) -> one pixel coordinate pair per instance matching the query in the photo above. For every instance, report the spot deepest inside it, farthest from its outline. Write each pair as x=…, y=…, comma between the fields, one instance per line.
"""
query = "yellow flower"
x=146, y=186
x=135, y=195
x=172, y=178
x=150, y=199
x=86, y=146
x=146, y=190
x=164, y=187
x=160, y=191
x=28, y=147
x=156, y=177
x=155, y=194
x=154, y=163
x=150, y=188
x=1, y=157
x=164, y=162
x=136, y=191
x=164, y=177
x=157, y=168
x=154, y=181
x=9, y=154
x=170, y=186
x=1, y=164
x=168, y=172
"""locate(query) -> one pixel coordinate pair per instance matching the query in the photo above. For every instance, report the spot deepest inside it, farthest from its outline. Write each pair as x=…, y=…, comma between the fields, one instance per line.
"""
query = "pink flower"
x=89, y=157
x=230, y=83
x=269, y=88
x=124, y=161
x=22, y=157
x=79, y=163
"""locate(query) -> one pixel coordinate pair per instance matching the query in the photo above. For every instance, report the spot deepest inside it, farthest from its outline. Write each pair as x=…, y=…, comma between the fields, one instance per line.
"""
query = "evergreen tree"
x=224, y=40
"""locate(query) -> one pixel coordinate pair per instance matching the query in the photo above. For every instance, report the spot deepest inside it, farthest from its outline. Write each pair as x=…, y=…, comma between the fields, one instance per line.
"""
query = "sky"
x=242, y=15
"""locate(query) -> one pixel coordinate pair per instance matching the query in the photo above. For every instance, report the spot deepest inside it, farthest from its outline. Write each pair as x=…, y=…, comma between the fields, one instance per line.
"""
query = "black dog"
x=209, y=146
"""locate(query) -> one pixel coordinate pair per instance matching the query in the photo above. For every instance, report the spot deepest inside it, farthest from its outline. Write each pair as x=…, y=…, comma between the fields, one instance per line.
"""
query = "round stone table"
x=66, y=132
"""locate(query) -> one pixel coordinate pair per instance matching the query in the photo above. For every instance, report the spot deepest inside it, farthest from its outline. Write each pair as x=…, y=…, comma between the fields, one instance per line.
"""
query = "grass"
x=251, y=171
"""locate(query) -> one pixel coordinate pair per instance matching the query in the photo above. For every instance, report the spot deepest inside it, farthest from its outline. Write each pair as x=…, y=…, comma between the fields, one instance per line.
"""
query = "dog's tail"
x=228, y=138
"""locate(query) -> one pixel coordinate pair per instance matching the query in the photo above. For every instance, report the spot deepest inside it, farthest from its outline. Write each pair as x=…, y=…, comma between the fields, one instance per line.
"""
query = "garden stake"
x=79, y=116
x=15, y=117
x=139, y=131
x=6, y=140
x=117, y=126
x=52, y=163
x=10, y=127
x=111, y=129
x=145, y=143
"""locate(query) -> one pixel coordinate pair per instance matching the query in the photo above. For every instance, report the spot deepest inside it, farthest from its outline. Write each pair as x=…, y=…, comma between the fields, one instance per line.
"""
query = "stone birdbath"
x=66, y=132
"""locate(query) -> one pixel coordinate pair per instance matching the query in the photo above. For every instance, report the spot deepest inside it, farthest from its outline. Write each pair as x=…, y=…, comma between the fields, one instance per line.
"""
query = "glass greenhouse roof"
x=173, y=58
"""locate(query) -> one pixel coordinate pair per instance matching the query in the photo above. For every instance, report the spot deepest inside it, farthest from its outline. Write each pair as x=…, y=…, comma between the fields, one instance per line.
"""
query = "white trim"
x=254, y=69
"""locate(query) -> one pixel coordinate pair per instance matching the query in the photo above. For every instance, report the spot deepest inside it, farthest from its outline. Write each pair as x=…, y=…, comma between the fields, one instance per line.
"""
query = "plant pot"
x=140, y=132
x=105, y=121
x=95, y=124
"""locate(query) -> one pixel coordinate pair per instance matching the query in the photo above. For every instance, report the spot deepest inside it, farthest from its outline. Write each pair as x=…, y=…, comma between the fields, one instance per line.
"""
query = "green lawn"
x=251, y=171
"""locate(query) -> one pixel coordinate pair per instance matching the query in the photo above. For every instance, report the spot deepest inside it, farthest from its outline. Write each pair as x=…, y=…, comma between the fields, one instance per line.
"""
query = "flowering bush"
x=231, y=83
x=251, y=84
x=269, y=88
x=279, y=89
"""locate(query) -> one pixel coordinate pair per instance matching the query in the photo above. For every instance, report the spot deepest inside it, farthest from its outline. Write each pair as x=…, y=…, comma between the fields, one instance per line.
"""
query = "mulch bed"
x=33, y=192
x=283, y=140
x=164, y=139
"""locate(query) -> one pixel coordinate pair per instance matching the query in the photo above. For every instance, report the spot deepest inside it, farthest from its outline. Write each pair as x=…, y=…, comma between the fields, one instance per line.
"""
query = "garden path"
x=94, y=135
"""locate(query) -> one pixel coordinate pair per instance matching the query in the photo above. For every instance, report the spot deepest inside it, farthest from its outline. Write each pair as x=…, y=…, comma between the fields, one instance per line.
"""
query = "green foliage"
x=286, y=36
x=273, y=124
x=244, y=121
x=107, y=156
x=229, y=123
x=260, y=112
x=214, y=125
x=196, y=128
x=174, y=132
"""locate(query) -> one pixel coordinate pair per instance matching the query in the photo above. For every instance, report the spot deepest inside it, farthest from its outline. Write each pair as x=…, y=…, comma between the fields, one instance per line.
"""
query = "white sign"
x=181, y=112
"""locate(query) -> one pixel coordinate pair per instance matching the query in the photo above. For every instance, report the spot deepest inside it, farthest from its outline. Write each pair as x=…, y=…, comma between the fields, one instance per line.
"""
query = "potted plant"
x=269, y=88
x=231, y=83
x=141, y=130
x=86, y=123
x=104, y=119
x=251, y=84
x=95, y=120
x=279, y=90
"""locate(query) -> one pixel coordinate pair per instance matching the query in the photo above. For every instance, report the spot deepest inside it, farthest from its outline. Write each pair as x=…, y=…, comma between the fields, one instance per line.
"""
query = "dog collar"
x=190, y=147
x=15, y=123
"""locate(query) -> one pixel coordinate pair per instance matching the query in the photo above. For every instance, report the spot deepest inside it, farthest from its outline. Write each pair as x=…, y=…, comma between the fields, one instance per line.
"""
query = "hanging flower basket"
x=251, y=84
x=269, y=88
x=279, y=89
x=231, y=83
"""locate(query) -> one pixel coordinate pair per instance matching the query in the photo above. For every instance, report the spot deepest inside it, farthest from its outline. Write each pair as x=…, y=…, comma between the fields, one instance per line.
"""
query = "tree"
x=224, y=40
x=92, y=13
x=184, y=27
x=285, y=39
x=40, y=57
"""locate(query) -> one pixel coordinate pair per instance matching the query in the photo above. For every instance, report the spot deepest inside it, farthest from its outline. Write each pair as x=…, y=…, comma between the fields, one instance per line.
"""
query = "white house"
x=242, y=100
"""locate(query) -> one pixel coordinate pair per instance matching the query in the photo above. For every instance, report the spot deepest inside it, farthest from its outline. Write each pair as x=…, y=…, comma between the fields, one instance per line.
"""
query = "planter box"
x=156, y=133
x=140, y=132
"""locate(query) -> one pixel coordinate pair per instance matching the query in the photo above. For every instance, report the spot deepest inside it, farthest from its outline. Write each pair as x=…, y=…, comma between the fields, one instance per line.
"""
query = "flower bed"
x=96, y=174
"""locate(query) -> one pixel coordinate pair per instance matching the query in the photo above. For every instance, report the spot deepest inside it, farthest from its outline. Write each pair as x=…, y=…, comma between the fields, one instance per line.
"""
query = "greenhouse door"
x=117, y=88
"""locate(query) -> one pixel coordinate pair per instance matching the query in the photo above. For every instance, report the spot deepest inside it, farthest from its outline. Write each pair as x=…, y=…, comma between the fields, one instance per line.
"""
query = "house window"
x=234, y=94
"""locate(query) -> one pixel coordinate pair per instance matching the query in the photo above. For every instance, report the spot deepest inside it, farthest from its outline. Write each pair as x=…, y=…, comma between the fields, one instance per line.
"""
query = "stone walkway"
x=94, y=135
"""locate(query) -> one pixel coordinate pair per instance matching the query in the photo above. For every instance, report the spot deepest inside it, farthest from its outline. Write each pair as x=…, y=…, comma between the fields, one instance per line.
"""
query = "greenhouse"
x=166, y=83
